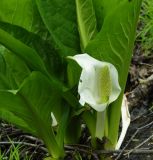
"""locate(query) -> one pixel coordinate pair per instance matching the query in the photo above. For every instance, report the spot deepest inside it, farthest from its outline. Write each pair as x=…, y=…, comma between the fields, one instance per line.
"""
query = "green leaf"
x=87, y=29
x=99, y=13
x=63, y=123
x=10, y=103
x=44, y=48
x=10, y=117
x=34, y=61
x=73, y=138
x=12, y=74
x=60, y=19
x=4, y=82
x=2, y=64
x=103, y=8
x=33, y=104
x=17, y=67
x=114, y=43
x=86, y=21
x=5, y=75
x=24, y=52
x=73, y=73
x=24, y=14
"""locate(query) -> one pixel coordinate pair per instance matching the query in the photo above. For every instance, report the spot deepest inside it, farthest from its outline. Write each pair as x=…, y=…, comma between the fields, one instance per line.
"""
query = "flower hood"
x=98, y=84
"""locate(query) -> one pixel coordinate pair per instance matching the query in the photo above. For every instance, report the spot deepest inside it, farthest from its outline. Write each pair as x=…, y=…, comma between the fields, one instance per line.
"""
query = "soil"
x=138, y=143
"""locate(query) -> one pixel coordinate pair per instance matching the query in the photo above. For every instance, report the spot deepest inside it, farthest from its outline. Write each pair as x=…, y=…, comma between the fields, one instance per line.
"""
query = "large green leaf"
x=17, y=67
x=114, y=44
x=73, y=138
x=4, y=83
x=6, y=78
x=86, y=21
x=23, y=51
x=33, y=104
x=44, y=48
x=12, y=71
x=63, y=123
x=22, y=13
x=2, y=64
x=103, y=8
x=33, y=60
x=60, y=19
x=10, y=117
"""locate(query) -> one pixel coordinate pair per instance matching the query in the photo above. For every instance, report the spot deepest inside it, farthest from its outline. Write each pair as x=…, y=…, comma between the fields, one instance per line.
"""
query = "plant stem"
x=100, y=124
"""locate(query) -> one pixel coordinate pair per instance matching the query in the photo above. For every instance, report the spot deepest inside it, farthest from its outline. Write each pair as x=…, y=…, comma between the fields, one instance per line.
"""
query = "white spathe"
x=98, y=85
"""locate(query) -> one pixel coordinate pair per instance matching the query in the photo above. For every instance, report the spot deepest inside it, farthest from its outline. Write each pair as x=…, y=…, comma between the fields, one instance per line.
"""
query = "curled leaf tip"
x=54, y=121
x=125, y=121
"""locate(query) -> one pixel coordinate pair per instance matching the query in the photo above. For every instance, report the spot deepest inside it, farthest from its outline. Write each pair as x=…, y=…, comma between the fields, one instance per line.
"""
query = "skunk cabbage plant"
x=98, y=86
x=43, y=61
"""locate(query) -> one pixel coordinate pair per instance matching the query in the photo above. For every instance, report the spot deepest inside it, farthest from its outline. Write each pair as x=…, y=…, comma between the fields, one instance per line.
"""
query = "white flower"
x=98, y=85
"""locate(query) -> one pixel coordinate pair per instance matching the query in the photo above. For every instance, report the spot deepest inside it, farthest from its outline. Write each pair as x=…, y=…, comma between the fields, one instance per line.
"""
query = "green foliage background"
x=145, y=27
